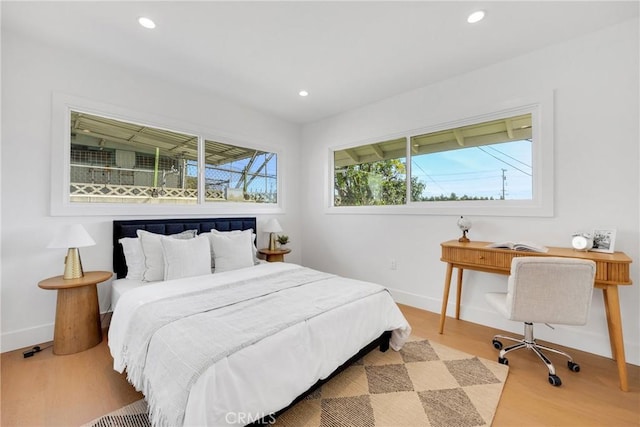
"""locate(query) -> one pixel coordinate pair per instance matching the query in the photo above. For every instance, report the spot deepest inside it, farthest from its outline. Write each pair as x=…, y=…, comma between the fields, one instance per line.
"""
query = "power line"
x=464, y=173
x=427, y=175
x=500, y=160
x=506, y=155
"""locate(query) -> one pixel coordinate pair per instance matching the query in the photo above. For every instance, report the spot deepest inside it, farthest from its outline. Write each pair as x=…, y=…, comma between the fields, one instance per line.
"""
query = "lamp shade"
x=273, y=226
x=73, y=236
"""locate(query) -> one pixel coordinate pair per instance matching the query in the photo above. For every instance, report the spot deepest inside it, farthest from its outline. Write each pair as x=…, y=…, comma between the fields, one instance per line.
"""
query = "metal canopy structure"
x=509, y=129
x=117, y=134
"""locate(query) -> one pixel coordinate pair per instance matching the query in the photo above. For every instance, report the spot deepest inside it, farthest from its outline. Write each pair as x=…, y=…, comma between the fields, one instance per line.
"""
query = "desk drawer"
x=481, y=258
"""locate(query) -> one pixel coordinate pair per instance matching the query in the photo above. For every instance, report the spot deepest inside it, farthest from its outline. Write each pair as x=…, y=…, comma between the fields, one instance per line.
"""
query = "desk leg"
x=614, y=323
x=605, y=298
x=445, y=296
x=459, y=293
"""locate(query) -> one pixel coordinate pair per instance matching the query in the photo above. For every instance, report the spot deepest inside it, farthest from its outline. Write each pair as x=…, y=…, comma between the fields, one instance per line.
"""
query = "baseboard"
x=26, y=337
x=415, y=300
x=36, y=335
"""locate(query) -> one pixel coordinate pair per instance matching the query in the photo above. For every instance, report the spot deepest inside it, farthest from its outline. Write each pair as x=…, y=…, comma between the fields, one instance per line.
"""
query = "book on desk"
x=521, y=246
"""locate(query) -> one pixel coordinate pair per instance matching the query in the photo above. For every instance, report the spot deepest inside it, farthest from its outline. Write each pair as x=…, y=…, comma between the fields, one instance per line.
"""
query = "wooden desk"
x=611, y=270
x=77, y=326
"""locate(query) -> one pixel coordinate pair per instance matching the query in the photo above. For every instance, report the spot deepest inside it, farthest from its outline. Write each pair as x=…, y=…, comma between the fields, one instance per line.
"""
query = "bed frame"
x=382, y=342
x=128, y=228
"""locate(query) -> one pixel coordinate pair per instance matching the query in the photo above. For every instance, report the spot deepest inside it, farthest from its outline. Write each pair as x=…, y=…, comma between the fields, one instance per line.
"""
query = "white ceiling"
x=346, y=54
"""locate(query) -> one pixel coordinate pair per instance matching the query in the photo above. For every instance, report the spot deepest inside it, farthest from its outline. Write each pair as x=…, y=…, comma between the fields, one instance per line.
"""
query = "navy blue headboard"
x=128, y=228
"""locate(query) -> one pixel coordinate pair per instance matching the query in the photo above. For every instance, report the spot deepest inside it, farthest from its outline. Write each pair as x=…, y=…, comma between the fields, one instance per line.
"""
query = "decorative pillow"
x=152, y=248
x=253, y=244
x=232, y=251
x=186, y=258
x=133, y=256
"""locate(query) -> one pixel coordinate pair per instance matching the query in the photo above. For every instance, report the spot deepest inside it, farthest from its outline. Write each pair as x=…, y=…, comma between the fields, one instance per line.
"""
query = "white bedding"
x=268, y=370
x=120, y=287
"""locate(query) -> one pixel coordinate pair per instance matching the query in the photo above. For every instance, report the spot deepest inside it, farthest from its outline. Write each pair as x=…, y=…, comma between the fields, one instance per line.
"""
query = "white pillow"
x=133, y=256
x=152, y=248
x=232, y=251
x=186, y=258
x=253, y=243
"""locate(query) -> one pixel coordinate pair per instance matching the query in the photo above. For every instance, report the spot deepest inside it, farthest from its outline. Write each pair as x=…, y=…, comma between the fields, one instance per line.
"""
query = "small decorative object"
x=272, y=227
x=283, y=239
x=604, y=240
x=465, y=225
x=582, y=241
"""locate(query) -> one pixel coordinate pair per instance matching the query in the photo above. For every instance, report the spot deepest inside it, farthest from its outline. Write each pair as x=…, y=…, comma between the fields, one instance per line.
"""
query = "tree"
x=383, y=183
x=377, y=183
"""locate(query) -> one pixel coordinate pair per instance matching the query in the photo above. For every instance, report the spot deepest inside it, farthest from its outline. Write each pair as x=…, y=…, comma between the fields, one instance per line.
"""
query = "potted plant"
x=283, y=239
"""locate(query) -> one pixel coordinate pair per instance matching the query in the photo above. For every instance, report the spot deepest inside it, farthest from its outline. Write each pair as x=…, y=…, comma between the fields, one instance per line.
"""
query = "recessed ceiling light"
x=146, y=22
x=303, y=93
x=476, y=17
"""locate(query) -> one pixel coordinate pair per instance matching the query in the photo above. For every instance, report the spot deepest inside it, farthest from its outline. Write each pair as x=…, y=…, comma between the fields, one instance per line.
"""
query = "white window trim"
x=63, y=104
x=541, y=205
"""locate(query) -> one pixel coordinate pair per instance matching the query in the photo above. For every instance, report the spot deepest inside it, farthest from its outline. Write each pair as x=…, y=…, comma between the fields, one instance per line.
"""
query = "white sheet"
x=121, y=286
x=262, y=378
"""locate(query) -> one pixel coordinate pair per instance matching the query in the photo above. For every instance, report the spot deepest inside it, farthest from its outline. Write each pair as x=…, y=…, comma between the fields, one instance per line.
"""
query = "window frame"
x=61, y=205
x=541, y=204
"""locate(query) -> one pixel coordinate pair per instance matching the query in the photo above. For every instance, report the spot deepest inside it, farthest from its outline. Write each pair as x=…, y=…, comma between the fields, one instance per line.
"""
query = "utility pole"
x=504, y=180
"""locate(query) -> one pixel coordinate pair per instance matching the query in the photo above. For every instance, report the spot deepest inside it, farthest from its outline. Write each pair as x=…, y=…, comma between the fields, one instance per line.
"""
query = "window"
x=485, y=161
x=113, y=161
x=495, y=164
x=239, y=174
x=107, y=165
x=372, y=174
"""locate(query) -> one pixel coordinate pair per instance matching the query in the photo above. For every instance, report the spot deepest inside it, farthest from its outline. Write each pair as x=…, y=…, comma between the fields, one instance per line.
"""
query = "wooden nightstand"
x=276, y=255
x=77, y=325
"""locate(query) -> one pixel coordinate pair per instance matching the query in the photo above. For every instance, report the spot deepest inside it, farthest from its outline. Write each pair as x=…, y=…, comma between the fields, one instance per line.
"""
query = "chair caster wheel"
x=497, y=344
x=574, y=367
x=554, y=380
x=503, y=360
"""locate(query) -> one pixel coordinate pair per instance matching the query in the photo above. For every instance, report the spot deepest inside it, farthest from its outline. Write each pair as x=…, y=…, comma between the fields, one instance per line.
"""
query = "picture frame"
x=604, y=240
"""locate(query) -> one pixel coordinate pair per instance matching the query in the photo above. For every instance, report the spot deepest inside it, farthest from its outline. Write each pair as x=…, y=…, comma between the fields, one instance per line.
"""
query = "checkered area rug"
x=425, y=384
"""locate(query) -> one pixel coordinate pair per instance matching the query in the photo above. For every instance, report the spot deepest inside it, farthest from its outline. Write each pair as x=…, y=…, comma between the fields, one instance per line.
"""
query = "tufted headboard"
x=128, y=228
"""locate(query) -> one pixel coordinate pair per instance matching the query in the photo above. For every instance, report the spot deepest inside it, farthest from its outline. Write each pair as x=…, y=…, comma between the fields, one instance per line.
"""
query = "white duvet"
x=233, y=347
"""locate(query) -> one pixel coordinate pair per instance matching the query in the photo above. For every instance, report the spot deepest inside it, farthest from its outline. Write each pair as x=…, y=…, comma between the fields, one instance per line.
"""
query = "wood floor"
x=48, y=390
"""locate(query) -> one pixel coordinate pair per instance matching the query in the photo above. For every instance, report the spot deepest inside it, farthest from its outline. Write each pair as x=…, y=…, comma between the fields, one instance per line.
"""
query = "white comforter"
x=229, y=348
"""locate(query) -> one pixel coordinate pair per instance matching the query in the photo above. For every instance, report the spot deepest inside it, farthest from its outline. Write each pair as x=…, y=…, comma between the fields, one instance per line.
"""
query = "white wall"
x=595, y=79
x=31, y=72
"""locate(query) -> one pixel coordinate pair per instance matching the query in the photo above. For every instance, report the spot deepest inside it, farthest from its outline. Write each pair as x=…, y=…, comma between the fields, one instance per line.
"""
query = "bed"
x=242, y=341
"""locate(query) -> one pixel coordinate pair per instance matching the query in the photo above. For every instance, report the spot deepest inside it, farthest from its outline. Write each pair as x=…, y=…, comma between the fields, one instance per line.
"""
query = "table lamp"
x=72, y=237
x=272, y=227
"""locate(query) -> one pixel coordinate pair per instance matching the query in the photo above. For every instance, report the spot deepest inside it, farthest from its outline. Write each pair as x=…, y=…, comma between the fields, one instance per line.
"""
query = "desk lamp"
x=72, y=237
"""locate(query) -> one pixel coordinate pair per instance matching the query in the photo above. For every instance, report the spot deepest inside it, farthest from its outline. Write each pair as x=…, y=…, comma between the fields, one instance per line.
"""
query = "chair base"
x=530, y=343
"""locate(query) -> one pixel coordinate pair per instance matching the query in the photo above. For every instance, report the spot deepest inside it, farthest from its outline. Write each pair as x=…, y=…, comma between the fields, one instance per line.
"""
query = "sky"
x=478, y=171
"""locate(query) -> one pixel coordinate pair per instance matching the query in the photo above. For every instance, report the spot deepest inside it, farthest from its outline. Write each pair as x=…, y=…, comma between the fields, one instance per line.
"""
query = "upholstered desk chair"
x=544, y=290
